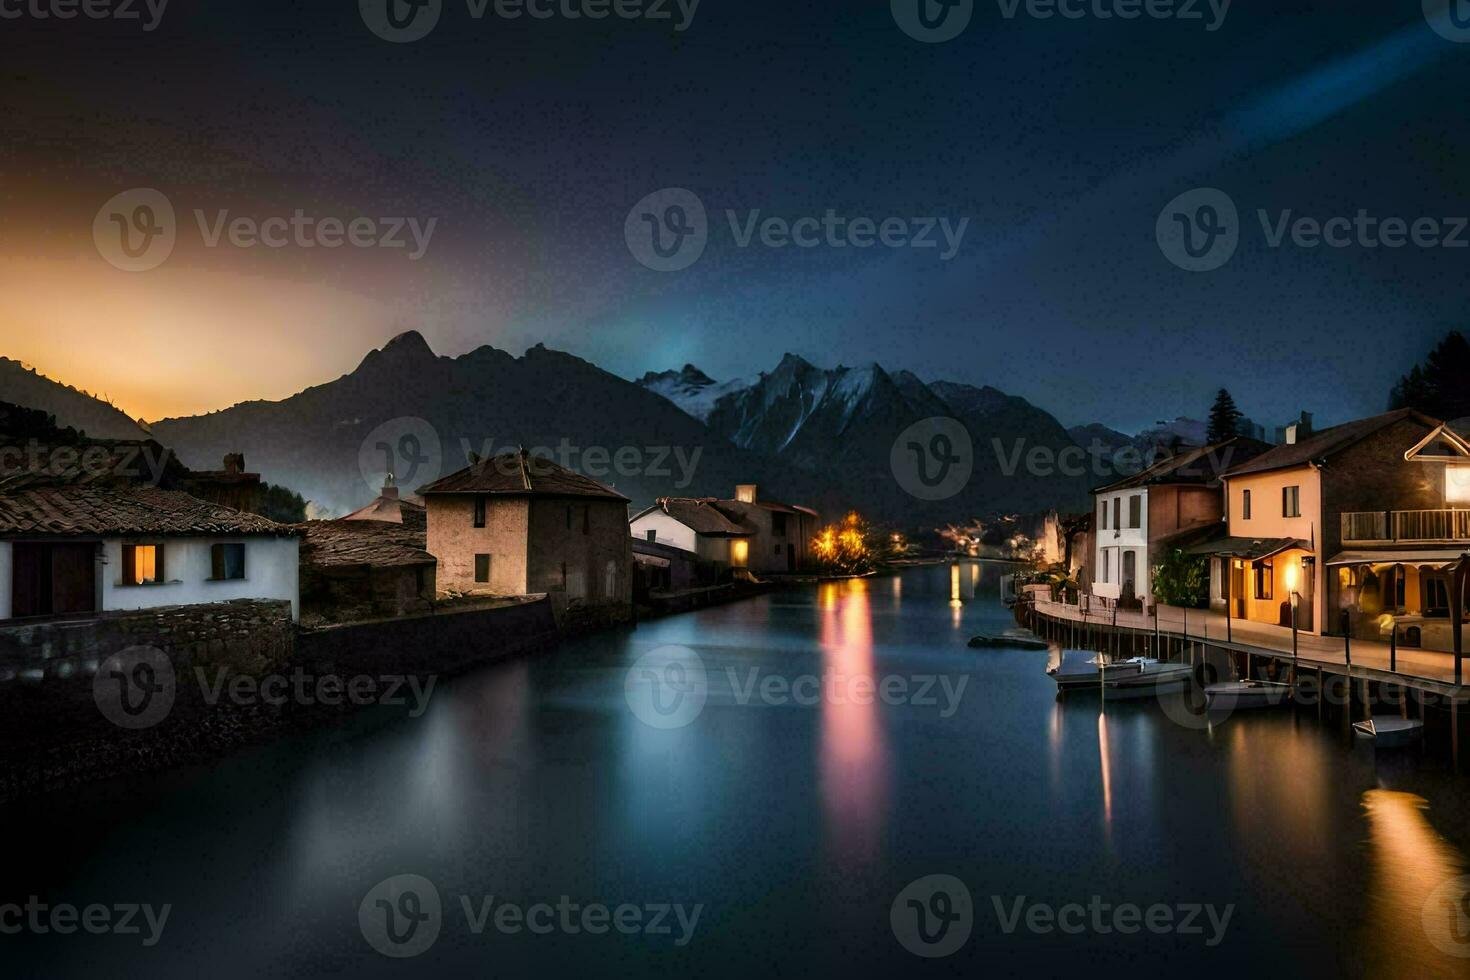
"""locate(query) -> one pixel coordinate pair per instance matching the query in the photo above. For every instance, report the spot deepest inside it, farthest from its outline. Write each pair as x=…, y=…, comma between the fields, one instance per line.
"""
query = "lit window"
x=142, y=564
x=1457, y=484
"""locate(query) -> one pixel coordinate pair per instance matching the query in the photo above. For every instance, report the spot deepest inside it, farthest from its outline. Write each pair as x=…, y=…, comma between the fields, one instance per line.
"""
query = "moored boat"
x=1083, y=669
x=1246, y=695
x=1390, y=731
x=1151, y=678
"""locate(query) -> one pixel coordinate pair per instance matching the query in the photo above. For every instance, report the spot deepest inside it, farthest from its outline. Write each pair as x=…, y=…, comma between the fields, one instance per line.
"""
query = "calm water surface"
x=794, y=826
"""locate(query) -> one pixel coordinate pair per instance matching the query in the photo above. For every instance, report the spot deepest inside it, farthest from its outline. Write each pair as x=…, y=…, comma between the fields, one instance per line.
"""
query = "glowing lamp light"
x=1293, y=576
x=739, y=552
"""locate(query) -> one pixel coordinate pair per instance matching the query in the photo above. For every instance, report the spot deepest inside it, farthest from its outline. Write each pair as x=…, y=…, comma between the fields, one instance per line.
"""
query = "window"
x=1102, y=515
x=653, y=535
x=479, y=512
x=1436, y=593
x=1117, y=513
x=1135, y=510
x=1107, y=565
x=778, y=526
x=1265, y=579
x=1291, y=501
x=226, y=562
x=142, y=564
x=482, y=568
x=1245, y=505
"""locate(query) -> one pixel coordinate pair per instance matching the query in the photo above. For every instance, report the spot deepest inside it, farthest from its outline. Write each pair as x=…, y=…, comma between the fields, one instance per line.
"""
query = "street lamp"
x=1292, y=581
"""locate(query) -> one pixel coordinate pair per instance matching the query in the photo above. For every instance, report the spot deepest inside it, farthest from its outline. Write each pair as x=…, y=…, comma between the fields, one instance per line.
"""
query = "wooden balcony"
x=1406, y=527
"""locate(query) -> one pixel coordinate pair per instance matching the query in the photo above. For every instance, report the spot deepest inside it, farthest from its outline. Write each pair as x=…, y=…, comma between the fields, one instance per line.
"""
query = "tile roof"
x=387, y=509
x=703, y=515
x=1326, y=442
x=94, y=510
x=1194, y=465
x=1252, y=549
x=348, y=543
x=520, y=474
x=97, y=462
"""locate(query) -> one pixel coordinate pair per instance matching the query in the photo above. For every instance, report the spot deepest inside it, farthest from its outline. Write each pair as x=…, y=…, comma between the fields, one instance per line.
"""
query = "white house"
x=697, y=526
x=73, y=550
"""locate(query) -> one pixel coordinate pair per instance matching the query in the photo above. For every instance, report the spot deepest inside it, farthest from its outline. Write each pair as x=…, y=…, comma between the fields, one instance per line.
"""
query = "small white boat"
x=1245, y=695
x=1083, y=668
x=1151, y=678
x=1390, y=731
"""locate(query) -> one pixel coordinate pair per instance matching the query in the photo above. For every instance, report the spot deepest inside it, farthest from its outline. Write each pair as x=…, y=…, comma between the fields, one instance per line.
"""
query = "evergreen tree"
x=1224, y=418
x=1441, y=385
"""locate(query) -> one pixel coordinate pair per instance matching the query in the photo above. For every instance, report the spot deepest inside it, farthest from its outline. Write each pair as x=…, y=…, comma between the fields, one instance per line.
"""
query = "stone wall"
x=249, y=635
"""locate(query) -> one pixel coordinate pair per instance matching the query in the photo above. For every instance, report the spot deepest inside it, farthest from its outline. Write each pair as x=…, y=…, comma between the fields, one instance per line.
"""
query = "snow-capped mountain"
x=845, y=420
x=691, y=389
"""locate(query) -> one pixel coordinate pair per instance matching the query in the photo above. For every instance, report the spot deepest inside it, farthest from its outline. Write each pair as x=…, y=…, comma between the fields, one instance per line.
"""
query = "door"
x=1130, y=573
x=791, y=557
x=54, y=579
x=1237, y=587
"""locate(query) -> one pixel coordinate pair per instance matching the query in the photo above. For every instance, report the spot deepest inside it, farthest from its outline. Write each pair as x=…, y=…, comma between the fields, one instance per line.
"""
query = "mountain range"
x=821, y=436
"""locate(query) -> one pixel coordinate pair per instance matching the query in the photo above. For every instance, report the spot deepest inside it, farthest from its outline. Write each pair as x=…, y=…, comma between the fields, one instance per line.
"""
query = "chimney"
x=745, y=493
x=234, y=463
x=1292, y=431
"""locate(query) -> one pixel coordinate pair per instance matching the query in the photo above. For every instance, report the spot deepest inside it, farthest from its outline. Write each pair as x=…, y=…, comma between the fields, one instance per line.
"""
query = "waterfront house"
x=353, y=570
x=1357, y=526
x=518, y=524
x=745, y=533
x=1172, y=504
x=707, y=539
x=74, y=550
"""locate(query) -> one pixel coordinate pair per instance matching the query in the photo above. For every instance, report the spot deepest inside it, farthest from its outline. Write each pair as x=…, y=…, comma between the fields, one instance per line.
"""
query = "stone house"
x=518, y=524
x=353, y=570
x=80, y=550
x=742, y=533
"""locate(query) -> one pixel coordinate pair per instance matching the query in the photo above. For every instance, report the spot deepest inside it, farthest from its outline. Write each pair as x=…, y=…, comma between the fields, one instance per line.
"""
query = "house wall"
x=763, y=555
x=455, y=541
x=1268, y=521
x=1112, y=542
x=272, y=571
x=596, y=550
x=669, y=530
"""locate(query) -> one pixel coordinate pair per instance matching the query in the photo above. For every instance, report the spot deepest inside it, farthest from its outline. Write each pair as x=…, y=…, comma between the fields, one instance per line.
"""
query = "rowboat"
x=1246, y=695
x=1390, y=731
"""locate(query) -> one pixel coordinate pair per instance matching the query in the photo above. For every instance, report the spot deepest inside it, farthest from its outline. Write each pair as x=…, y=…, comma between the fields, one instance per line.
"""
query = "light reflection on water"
x=854, y=763
x=795, y=825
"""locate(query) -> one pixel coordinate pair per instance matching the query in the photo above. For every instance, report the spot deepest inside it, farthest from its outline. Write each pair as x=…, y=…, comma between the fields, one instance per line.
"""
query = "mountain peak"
x=410, y=342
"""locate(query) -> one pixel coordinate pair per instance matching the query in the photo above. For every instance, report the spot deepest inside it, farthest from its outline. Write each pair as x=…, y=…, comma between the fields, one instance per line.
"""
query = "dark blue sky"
x=529, y=141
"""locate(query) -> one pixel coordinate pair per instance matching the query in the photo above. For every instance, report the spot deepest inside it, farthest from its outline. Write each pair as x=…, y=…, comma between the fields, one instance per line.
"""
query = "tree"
x=1224, y=418
x=1438, y=387
x=847, y=548
x=1181, y=580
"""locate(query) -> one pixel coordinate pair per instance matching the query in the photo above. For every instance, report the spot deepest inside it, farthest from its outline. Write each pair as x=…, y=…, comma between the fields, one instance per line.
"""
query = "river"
x=762, y=789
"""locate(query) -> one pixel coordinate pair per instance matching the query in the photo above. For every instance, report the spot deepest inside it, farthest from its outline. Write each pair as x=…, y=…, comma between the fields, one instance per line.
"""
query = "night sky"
x=528, y=141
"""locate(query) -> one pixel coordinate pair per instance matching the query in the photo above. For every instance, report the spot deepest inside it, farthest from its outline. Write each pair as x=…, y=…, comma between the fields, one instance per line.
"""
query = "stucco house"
x=1356, y=525
x=1139, y=519
x=743, y=533
x=85, y=549
x=519, y=524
